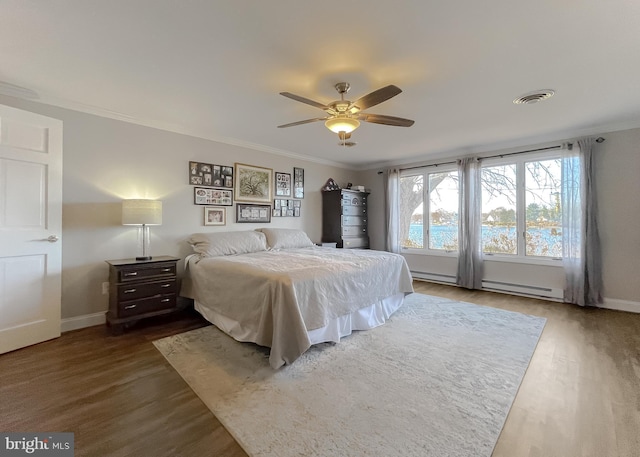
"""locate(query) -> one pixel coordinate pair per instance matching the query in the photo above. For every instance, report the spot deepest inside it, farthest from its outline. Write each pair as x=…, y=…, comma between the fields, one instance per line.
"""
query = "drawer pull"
x=131, y=273
x=165, y=285
x=166, y=270
x=165, y=300
x=129, y=291
x=130, y=306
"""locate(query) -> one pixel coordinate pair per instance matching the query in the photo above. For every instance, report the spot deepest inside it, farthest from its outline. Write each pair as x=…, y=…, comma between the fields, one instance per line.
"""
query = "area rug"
x=438, y=379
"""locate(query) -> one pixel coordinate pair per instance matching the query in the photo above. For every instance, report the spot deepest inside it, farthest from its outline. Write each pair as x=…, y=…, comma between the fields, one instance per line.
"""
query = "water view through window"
x=520, y=204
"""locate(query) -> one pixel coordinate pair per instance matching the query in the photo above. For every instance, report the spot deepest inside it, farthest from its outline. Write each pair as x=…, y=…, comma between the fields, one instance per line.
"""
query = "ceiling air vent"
x=534, y=97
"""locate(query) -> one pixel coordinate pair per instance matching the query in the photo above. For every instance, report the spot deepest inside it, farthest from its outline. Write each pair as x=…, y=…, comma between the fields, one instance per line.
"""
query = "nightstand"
x=139, y=289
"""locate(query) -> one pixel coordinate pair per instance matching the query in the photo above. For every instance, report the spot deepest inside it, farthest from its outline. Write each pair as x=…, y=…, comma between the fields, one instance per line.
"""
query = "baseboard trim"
x=87, y=320
x=621, y=305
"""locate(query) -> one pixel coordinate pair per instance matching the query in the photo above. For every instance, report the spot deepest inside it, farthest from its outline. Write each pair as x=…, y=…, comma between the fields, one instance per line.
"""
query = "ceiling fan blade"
x=298, y=98
x=306, y=121
x=386, y=120
x=376, y=97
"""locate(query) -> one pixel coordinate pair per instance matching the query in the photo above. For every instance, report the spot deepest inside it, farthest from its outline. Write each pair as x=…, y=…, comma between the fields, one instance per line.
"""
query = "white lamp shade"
x=342, y=124
x=141, y=212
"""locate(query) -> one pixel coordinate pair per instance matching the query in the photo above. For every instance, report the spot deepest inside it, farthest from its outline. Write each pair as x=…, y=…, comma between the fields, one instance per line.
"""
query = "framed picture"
x=226, y=176
x=283, y=184
x=207, y=174
x=253, y=184
x=298, y=182
x=215, y=215
x=209, y=196
x=253, y=213
x=276, y=212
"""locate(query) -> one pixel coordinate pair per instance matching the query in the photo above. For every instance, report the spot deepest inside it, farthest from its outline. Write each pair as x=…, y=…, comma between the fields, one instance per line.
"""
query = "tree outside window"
x=521, y=208
x=438, y=230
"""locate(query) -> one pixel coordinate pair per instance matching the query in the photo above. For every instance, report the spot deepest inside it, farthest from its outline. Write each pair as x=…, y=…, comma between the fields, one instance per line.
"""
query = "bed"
x=275, y=288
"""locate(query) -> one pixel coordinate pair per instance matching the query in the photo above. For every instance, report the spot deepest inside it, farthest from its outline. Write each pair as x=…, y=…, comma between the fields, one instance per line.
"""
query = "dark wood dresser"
x=139, y=289
x=345, y=218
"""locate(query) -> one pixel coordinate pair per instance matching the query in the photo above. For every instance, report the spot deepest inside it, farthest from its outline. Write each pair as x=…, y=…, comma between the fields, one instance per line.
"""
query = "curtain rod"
x=430, y=165
x=569, y=145
x=558, y=146
x=488, y=157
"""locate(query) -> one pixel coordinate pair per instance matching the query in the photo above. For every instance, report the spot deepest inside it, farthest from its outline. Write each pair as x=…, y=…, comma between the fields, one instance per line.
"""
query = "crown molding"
x=152, y=123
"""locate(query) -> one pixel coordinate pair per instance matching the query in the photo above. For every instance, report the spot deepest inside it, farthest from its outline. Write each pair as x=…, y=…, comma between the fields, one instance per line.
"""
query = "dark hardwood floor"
x=118, y=395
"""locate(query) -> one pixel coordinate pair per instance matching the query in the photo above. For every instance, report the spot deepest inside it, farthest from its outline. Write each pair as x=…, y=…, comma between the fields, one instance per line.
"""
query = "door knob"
x=52, y=238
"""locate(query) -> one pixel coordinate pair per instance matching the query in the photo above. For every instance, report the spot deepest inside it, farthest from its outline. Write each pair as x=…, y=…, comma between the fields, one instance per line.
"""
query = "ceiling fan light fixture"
x=342, y=124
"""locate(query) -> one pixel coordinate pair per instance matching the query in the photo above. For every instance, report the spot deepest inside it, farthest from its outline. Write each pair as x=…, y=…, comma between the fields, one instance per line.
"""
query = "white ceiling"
x=214, y=69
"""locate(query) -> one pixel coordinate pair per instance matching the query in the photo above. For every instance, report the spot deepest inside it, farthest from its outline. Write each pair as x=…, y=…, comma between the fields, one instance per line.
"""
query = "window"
x=411, y=208
x=429, y=214
x=543, y=216
x=521, y=207
x=499, y=210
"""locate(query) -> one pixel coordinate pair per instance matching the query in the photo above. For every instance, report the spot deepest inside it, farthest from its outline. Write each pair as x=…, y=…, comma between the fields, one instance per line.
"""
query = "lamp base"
x=144, y=258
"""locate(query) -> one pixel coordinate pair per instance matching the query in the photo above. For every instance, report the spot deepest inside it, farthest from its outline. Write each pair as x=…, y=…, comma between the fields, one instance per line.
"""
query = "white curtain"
x=392, y=209
x=580, y=237
x=469, y=224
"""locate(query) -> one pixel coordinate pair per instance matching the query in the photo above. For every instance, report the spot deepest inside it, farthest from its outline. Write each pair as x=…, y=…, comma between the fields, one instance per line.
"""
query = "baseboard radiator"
x=435, y=277
x=523, y=289
x=548, y=293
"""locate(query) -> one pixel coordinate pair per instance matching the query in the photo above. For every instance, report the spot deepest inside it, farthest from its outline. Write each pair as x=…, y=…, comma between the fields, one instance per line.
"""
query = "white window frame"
x=426, y=201
x=519, y=160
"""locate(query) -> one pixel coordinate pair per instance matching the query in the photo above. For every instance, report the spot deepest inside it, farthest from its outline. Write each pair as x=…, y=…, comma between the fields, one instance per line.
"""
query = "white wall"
x=617, y=166
x=106, y=161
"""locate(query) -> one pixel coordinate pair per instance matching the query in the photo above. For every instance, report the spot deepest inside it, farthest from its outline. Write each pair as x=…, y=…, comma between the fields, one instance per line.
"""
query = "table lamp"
x=142, y=213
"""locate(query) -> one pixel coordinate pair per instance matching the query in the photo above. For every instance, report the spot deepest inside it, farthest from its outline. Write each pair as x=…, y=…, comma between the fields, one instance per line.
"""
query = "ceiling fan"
x=344, y=116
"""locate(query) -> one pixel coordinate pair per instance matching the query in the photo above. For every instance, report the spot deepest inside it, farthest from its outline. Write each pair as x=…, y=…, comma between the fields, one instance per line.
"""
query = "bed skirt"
x=362, y=319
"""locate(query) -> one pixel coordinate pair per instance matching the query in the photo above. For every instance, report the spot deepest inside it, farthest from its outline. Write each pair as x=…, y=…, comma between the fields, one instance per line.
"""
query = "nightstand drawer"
x=134, y=272
x=146, y=305
x=147, y=289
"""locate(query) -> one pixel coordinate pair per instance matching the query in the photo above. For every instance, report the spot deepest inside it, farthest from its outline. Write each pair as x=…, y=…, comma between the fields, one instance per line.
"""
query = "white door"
x=30, y=228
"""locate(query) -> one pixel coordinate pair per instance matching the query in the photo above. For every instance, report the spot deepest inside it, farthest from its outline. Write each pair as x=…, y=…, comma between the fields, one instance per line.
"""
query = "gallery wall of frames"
x=258, y=193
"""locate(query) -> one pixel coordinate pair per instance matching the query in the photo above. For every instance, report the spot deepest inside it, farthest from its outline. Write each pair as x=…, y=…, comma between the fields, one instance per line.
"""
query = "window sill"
x=488, y=257
x=430, y=252
x=522, y=260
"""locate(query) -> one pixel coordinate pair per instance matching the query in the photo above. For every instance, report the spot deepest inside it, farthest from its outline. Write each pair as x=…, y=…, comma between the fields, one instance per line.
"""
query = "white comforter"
x=280, y=295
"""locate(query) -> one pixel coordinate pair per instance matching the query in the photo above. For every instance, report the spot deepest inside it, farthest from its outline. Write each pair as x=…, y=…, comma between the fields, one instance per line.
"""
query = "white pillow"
x=227, y=243
x=280, y=238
